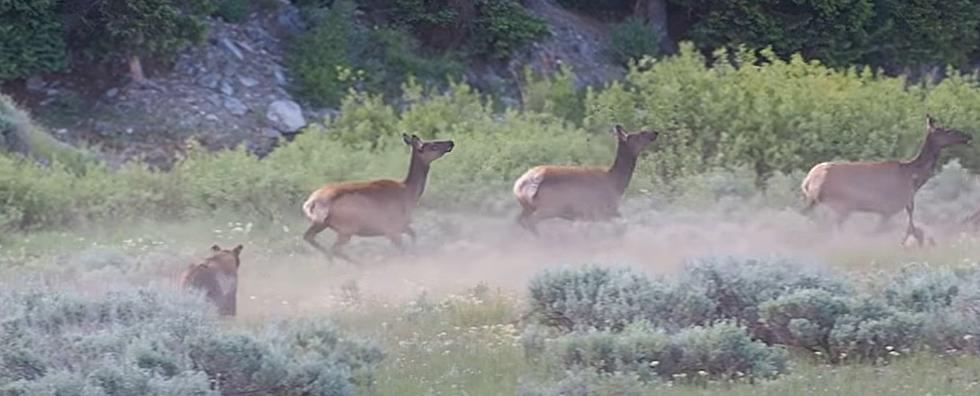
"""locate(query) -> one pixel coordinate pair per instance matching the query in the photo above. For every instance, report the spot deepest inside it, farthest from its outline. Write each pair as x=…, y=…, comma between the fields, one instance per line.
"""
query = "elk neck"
x=622, y=168
x=418, y=172
x=921, y=167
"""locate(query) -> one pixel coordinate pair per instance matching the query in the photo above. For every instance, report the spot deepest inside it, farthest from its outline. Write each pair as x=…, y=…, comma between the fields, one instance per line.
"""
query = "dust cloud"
x=456, y=252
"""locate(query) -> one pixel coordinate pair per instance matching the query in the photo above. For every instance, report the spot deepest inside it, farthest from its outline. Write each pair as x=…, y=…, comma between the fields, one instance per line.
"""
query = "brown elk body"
x=217, y=277
x=372, y=208
x=884, y=188
x=580, y=193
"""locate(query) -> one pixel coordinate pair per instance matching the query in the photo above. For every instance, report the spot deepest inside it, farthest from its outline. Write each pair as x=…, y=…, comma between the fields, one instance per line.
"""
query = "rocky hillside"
x=233, y=89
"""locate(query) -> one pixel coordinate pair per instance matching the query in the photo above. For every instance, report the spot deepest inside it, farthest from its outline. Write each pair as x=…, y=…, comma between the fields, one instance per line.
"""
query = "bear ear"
x=215, y=248
x=237, y=250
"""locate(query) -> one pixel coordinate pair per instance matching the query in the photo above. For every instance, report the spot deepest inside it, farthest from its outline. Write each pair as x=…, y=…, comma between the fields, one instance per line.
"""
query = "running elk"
x=580, y=193
x=372, y=208
x=884, y=188
x=217, y=277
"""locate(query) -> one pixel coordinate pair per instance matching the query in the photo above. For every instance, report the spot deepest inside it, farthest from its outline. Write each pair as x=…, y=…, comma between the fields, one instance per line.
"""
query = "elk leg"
x=883, y=222
x=396, y=239
x=912, y=230
x=527, y=221
x=410, y=232
x=342, y=239
x=841, y=218
x=310, y=236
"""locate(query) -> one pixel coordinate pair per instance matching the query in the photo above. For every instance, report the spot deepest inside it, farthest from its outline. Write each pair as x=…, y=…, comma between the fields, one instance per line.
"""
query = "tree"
x=134, y=29
x=31, y=38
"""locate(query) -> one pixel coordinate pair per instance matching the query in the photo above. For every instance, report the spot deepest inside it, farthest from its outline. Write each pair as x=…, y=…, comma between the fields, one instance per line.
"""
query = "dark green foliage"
x=393, y=56
x=503, y=26
x=31, y=38
x=835, y=31
x=234, y=11
x=321, y=60
x=486, y=28
x=926, y=32
x=632, y=39
x=601, y=7
x=146, y=28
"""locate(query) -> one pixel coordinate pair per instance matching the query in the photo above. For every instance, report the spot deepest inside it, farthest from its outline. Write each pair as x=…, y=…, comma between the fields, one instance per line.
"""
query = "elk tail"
x=316, y=210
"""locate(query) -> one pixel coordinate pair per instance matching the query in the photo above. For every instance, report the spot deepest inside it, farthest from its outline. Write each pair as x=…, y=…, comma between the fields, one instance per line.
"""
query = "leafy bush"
x=633, y=39
x=21, y=134
x=727, y=132
x=486, y=28
x=137, y=28
x=31, y=39
x=719, y=351
x=585, y=383
x=739, y=286
x=872, y=330
x=503, y=26
x=774, y=117
x=804, y=318
x=554, y=94
x=394, y=56
x=149, y=342
x=592, y=297
x=321, y=59
x=725, y=350
x=234, y=11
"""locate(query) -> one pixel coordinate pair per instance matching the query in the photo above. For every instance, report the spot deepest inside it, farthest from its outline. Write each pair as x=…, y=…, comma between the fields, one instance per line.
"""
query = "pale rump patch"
x=813, y=180
x=526, y=187
x=315, y=209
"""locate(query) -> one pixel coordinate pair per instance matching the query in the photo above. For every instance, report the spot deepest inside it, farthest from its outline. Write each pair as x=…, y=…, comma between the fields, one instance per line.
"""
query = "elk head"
x=943, y=137
x=428, y=151
x=635, y=142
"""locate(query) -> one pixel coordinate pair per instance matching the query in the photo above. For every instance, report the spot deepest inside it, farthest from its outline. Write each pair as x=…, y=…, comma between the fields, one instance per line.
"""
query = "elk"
x=372, y=208
x=217, y=277
x=580, y=193
x=884, y=188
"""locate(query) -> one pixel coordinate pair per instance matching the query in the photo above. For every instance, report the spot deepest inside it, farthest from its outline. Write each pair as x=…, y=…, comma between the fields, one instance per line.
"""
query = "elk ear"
x=237, y=250
x=215, y=248
x=619, y=132
x=407, y=139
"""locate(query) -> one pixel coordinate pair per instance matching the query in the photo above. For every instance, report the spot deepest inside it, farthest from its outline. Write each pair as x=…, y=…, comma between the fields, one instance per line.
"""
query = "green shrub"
x=31, y=39
x=504, y=26
x=739, y=286
x=724, y=350
x=719, y=351
x=234, y=11
x=872, y=331
x=804, y=318
x=607, y=7
x=591, y=297
x=585, y=383
x=923, y=289
x=554, y=94
x=21, y=134
x=393, y=57
x=140, y=28
x=321, y=59
x=603, y=298
x=633, y=39
x=149, y=342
